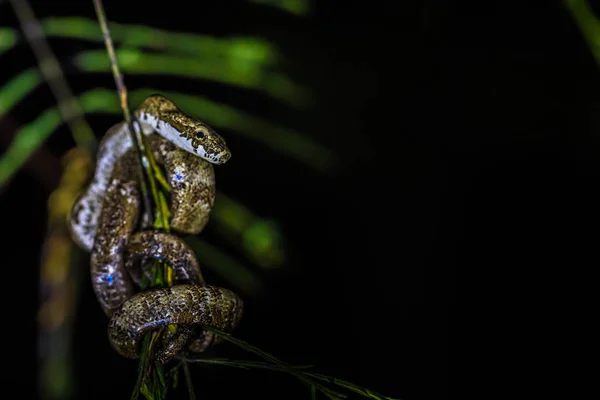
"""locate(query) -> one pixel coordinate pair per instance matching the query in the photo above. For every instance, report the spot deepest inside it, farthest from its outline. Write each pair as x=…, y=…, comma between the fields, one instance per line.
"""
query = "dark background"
x=468, y=137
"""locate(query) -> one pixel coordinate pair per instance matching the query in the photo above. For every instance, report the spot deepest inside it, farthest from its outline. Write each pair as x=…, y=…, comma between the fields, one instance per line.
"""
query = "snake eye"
x=199, y=134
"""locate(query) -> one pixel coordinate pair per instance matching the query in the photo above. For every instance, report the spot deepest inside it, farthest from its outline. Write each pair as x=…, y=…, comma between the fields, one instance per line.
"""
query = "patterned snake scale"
x=106, y=220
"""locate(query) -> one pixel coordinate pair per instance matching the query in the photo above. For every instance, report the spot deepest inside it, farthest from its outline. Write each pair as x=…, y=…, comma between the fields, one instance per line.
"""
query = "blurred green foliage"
x=588, y=23
x=242, y=61
x=297, y=7
x=244, y=74
x=245, y=49
x=15, y=90
x=28, y=139
x=261, y=239
x=225, y=266
x=8, y=38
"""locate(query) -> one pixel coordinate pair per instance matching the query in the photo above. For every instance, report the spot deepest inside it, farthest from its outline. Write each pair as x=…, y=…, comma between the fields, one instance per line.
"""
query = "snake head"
x=188, y=133
x=209, y=144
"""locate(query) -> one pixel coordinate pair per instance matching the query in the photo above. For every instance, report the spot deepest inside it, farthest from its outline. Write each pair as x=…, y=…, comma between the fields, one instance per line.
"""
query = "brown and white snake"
x=107, y=220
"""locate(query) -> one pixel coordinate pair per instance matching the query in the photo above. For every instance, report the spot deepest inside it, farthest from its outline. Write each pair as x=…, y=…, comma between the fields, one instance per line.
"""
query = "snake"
x=107, y=220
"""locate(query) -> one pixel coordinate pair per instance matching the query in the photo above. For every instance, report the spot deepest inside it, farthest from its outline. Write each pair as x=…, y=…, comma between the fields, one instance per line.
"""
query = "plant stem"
x=150, y=379
x=122, y=91
x=49, y=66
x=280, y=368
x=272, y=359
x=188, y=380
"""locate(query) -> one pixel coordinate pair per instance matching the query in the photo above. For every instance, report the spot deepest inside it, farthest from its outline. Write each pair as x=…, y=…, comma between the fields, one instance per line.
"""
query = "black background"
x=468, y=136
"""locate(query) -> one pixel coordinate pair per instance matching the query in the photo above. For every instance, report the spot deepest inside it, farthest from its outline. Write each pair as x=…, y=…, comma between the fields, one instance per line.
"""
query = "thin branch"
x=49, y=66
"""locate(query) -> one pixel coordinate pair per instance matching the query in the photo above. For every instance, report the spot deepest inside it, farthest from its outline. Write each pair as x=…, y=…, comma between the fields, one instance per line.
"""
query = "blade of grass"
x=275, y=367
x=188, y=381
x=269, y=357
x=350, y=386
x=243, y=364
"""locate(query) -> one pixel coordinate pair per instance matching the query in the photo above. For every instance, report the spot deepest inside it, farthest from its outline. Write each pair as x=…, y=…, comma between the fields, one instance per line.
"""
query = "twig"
x=49, y=66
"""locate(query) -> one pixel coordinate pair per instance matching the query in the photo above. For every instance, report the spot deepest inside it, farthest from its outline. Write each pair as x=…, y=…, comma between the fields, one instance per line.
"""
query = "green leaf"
x=17, y=88
x=26, y=141
x=146, y=392
x=8, y=39
x=261, y=239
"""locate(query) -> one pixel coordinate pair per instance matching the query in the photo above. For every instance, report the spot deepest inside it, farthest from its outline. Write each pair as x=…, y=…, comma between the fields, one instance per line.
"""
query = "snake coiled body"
x=108, y=221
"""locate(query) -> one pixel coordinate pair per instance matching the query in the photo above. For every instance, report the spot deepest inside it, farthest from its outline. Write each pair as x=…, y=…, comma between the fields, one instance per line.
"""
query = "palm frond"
x=235, y=48
x=241, y=61
x=247, y=75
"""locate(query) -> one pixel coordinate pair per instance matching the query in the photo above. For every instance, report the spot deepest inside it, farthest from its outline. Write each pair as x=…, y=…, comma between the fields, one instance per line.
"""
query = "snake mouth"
x=222, y=157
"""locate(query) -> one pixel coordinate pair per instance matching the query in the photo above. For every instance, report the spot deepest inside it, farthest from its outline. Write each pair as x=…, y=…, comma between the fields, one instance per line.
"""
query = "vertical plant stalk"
x=150, y=381
x=49, y=66
x=137, y=136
